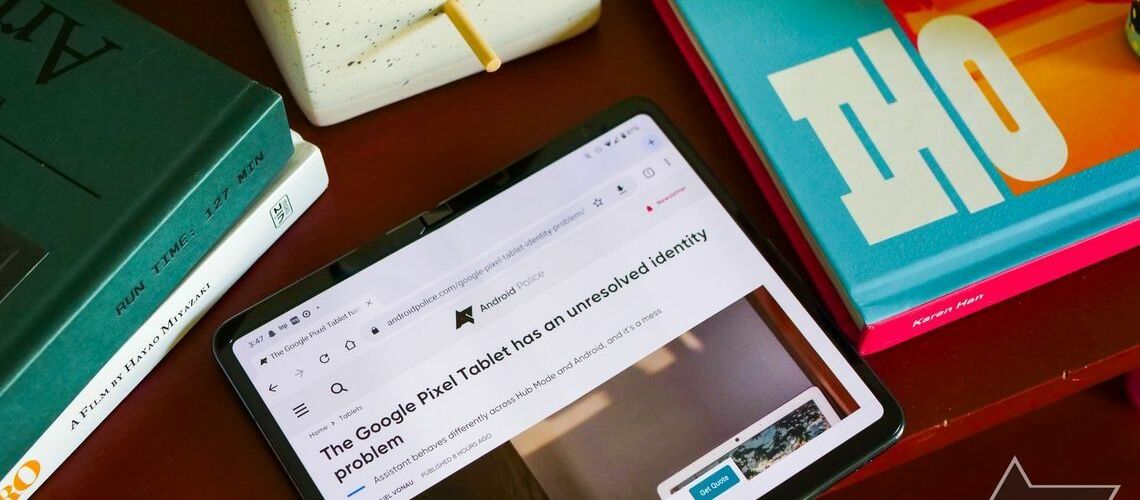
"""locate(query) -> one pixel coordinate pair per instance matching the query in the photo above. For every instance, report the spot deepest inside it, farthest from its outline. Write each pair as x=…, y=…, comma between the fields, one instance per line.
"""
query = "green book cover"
x=124, y=155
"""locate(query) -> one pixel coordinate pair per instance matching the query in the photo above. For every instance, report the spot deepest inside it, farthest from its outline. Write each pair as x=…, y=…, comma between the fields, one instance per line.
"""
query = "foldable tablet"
x=595, y=321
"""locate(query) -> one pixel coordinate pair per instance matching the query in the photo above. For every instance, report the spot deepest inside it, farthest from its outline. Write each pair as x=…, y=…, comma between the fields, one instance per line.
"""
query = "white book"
x=294, y=191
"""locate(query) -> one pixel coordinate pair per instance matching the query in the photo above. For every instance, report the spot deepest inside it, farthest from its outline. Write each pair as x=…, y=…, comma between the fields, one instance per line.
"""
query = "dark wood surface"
x=183, y=433
x=1092, y=437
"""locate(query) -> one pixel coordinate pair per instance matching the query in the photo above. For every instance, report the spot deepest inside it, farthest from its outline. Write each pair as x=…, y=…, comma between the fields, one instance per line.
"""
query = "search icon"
x=337, y=388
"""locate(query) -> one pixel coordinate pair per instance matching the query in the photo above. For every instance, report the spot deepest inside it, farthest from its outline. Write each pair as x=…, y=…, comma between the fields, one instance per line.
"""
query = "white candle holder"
x=344, y=58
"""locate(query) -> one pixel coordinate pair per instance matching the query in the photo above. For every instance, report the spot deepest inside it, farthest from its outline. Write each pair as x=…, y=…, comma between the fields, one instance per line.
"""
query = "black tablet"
x=595, y=321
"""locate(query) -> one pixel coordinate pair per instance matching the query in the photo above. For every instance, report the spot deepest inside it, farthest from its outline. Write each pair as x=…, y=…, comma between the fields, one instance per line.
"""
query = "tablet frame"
x=810, y=481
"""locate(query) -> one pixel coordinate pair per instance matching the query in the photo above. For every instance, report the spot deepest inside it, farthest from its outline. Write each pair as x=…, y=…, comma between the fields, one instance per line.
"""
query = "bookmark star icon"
x=1016, y=486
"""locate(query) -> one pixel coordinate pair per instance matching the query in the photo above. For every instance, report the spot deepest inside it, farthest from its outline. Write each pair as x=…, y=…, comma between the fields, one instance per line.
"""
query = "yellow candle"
x=471, y=35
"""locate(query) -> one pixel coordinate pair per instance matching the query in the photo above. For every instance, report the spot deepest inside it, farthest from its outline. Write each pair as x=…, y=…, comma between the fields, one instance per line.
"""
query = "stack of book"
x=140, y=179
x=928, y=159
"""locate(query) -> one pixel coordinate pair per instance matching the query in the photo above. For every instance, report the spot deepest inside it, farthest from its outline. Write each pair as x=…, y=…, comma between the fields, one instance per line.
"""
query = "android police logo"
x=463, y=317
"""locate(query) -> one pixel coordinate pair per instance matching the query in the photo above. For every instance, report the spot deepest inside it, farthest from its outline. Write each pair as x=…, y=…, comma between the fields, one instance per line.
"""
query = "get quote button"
x=718, y=482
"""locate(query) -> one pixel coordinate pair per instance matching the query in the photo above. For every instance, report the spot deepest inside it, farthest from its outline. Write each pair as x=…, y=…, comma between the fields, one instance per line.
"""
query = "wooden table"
x=183, y=432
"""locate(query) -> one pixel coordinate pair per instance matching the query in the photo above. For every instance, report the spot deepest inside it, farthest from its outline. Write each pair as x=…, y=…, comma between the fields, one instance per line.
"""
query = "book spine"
x=247, y=147
x=997, y=288
x=205, y=284
x=760, y=174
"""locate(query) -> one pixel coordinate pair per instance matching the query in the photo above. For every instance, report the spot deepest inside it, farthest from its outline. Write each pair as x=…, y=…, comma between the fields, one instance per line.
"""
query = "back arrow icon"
x=272, y=387
x=299, y=373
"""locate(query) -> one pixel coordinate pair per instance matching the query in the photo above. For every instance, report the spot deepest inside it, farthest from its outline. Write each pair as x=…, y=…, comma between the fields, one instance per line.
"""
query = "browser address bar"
x=497, y=260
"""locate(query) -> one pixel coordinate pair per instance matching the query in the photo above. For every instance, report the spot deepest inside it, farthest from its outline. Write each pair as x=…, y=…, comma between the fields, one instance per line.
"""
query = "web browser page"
x=602, y=329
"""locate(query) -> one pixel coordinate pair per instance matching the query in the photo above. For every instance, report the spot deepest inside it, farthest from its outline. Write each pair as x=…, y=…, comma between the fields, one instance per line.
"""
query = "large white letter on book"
x=910, y=197
x=1031, y=148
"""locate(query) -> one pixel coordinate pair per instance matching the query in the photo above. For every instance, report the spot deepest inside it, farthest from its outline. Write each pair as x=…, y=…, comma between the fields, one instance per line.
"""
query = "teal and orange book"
x=928, y=157
x=125, y=155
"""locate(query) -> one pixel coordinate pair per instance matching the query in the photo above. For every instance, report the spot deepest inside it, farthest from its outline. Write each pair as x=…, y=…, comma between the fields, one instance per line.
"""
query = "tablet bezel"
x=813, y=479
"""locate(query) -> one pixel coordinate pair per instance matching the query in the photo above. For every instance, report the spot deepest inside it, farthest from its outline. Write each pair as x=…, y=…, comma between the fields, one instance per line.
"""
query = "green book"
x=125, y=154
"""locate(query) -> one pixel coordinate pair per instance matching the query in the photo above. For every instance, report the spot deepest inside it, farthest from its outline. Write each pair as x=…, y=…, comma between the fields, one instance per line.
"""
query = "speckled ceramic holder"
x=347, y=57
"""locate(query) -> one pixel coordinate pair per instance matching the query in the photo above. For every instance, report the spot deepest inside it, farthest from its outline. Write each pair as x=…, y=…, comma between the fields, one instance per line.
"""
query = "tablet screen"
x=601, y=329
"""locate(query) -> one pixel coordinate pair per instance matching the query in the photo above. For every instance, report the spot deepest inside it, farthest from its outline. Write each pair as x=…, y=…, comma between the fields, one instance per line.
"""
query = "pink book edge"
x=999, y=287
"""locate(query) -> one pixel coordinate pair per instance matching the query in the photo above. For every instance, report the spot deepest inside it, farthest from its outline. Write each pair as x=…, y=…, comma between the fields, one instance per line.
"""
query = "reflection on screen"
x=602, y=329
